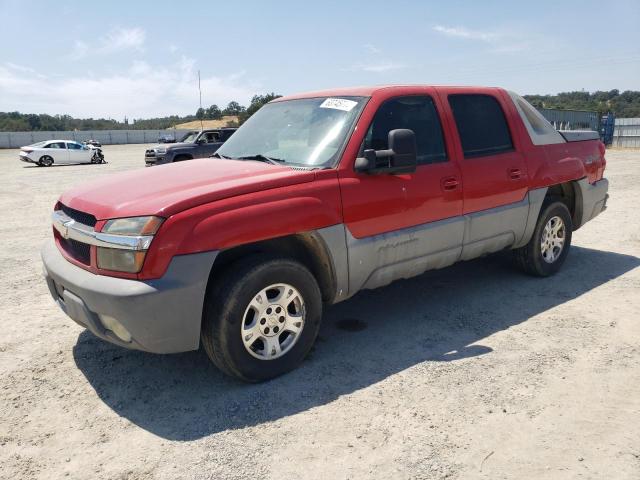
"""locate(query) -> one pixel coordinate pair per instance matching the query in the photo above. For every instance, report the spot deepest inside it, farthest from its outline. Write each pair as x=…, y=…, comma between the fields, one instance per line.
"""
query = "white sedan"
x=49, y=152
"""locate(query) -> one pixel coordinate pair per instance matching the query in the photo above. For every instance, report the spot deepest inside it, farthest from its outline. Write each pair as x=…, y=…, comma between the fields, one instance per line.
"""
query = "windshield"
x=39, y=144
x=190, y=137
x=308, y=132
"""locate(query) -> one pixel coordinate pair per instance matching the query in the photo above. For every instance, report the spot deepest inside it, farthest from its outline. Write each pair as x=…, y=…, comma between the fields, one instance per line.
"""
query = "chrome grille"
x=78, y=250
x=80, y=217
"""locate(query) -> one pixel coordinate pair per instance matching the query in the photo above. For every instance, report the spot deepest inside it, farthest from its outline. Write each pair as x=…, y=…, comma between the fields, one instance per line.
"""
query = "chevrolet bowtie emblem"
x=65, y=229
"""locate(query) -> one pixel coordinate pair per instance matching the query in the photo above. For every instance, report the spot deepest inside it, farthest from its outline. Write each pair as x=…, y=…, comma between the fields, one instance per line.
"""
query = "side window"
x=74, y=146
x=481, y=124
x=417, y=113
x=212, y=137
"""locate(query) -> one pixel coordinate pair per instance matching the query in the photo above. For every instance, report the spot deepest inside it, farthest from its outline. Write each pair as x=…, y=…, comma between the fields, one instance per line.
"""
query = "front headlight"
x=133, y=226
x=161, y=150
x=141, y=231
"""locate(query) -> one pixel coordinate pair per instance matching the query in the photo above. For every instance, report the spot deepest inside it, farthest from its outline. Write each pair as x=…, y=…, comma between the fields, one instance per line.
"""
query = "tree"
x=256, y=103
x=233, y=108
x=213, y=113
x=200, y=113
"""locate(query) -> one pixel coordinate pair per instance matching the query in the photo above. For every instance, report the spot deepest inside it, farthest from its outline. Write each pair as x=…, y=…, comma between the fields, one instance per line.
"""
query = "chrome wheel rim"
x=552, y=241
x=273, y=321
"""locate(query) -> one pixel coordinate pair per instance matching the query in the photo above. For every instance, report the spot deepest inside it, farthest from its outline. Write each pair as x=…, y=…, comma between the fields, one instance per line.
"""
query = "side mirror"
x=201, y=140
x=401, y=157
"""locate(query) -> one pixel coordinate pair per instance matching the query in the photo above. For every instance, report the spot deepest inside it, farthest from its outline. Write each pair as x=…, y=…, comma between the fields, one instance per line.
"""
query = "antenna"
x=200, y=90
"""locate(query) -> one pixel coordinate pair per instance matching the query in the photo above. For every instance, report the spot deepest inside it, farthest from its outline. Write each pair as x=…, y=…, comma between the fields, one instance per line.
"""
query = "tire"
x=45, y=161
x=181, y=158
x=229, y=311
x=543, y=255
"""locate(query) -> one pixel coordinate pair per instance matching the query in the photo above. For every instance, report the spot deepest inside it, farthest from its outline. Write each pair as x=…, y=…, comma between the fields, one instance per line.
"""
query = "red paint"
x=214, y=204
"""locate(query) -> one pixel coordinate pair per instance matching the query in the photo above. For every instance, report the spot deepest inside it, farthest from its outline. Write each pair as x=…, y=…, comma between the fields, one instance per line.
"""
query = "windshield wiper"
x=219, y=155
x=262, y=158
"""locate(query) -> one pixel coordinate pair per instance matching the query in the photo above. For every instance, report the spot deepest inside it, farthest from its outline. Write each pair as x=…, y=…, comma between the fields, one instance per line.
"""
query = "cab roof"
x=368, y=91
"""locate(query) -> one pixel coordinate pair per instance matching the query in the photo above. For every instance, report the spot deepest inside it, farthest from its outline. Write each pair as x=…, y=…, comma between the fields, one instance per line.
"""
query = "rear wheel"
x=45, y=161
x=549, y=246
x=261, y=317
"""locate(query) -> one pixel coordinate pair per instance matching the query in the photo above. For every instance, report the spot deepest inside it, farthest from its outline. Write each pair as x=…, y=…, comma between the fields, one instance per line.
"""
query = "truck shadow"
x=440, y=316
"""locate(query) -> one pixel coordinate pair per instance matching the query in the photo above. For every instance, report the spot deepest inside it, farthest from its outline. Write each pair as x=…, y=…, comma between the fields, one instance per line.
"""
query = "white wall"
x=106, y=137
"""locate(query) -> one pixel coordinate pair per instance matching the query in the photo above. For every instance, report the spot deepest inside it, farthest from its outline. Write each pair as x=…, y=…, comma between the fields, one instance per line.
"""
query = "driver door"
x=210, y=144
x=76, y=153
x=401, y=225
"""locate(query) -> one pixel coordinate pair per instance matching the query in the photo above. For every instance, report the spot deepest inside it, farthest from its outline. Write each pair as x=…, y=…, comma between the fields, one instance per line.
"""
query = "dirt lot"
x=476, y=371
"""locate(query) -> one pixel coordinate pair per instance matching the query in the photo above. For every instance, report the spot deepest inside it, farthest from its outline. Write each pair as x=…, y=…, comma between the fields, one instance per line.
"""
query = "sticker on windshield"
x=339, y=104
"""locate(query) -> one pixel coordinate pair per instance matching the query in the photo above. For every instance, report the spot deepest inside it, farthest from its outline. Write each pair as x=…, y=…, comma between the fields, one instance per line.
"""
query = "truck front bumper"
x=159, y=316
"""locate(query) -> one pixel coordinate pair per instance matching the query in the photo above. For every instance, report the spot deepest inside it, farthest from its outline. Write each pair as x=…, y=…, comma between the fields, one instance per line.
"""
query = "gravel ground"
x=476, y=371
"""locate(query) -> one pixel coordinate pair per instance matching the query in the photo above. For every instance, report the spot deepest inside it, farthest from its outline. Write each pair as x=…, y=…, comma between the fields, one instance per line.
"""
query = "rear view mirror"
x=401, y=157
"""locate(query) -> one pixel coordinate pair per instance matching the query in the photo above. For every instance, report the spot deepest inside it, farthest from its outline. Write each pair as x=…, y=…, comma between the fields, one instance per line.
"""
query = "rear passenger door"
x=59, y=152
x=494, y=171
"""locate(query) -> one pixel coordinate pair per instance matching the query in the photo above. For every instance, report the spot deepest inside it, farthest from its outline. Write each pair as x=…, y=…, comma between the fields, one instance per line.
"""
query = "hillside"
x=226, y=121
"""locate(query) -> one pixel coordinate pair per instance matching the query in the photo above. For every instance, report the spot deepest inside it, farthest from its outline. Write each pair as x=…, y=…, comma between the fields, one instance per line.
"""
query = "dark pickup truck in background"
x=196, y=144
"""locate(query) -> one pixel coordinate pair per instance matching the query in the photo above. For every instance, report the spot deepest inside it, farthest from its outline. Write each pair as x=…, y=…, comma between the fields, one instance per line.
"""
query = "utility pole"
x=200, y=90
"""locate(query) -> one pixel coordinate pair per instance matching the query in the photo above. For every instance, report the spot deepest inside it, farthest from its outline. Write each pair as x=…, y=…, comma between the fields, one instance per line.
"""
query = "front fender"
x=245, y=219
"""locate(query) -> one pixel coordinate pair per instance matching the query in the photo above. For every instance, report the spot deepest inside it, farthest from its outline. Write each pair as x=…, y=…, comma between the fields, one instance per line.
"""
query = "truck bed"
x=579, y=135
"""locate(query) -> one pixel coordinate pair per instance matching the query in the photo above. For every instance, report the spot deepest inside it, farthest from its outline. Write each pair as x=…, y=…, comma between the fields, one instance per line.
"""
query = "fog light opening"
x=116, y=327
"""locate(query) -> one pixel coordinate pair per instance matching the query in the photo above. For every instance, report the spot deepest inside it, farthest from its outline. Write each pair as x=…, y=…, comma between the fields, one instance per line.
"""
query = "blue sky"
x=140, y=58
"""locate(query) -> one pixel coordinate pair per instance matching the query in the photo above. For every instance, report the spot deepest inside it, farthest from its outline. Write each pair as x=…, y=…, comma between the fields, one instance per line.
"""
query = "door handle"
x=450, y=183
x=515, y=173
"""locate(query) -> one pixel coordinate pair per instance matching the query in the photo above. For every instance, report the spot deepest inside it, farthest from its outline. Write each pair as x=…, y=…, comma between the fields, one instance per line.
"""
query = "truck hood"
x=171, y=146
x=169, y=189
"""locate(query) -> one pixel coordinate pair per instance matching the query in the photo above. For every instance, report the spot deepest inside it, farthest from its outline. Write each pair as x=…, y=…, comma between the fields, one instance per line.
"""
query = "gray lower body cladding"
x=591, y=200
x=162, y=316
x=380, y=259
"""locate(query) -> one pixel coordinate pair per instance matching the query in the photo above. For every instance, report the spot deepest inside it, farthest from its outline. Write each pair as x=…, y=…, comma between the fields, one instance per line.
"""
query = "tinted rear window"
x=481, y=124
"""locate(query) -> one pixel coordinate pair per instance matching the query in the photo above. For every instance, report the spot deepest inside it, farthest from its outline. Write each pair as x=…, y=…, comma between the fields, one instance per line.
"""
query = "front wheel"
x=549, y=245
x=261, y=317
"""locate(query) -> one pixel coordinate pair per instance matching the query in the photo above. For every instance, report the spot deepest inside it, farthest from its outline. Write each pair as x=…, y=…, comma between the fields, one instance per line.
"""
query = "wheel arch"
x=179, y=157
x=308, y=248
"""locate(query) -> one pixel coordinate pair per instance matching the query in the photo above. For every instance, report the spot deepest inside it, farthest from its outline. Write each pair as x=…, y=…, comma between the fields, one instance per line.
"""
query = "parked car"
x=45, y=154
x=197, y=144
x=316, y=197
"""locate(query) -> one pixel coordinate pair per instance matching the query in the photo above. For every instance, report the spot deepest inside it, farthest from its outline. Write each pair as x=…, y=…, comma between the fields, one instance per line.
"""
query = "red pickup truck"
x=316, y=197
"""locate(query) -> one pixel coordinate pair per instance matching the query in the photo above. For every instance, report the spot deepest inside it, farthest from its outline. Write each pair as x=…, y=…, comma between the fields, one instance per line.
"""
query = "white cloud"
x=372, y=48
x=80, y=50
x=116, y=40
x=461, y=32
x=377, y=67
x=500, y=41
x=142, y=91
x=375, y=62
x=123, y=39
